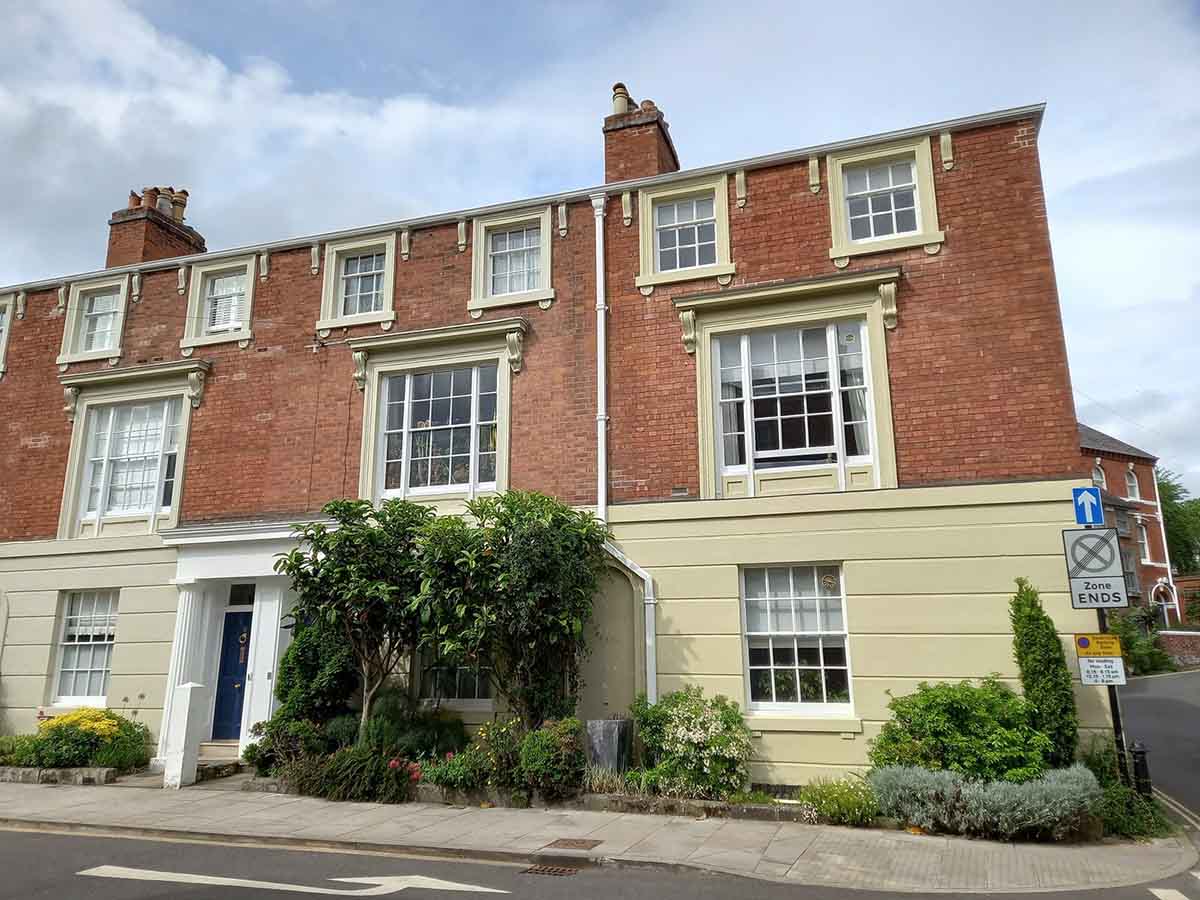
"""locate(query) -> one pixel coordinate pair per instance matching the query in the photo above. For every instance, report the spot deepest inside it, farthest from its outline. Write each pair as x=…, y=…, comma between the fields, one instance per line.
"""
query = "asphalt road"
x=38, y=864
x=1163, y=712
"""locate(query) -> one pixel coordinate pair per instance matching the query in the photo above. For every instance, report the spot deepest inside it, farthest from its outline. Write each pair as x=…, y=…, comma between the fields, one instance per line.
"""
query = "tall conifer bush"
x=1045, y=679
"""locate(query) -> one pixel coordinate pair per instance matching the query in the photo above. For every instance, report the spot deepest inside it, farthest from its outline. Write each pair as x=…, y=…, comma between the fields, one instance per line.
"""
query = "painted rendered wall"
x=33, y=577
x=928, y=573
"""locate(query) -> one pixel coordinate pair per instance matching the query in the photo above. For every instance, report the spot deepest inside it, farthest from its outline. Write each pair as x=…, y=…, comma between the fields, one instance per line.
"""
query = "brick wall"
x=141, y=235
x=977, y=365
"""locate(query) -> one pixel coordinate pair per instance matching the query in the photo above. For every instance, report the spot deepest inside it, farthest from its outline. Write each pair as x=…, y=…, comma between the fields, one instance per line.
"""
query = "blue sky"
x=287, y=118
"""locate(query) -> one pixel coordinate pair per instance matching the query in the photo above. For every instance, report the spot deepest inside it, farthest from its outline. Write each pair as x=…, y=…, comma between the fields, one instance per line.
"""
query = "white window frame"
x=482, y=297
x=73, y=320
x=78, y=700
x=1143, y=540
x=928, y=234
x=331, y=286
x=195, y=330
x=8, y=306
x=836, y=390
x=1133, y=490
x=1101, y=481
x=799, y=709
x=723, y=269
x=474, y=704
x=473, y=485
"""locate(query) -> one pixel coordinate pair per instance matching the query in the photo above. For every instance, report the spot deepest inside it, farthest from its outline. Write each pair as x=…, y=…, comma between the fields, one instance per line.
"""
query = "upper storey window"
x=882, y=198
x=357, y=287
x=1099, y=479
x=131, y=464
x=510, y=261
x=1132, y=491
x=220, y=301
x=95, y=318
x=684, y=232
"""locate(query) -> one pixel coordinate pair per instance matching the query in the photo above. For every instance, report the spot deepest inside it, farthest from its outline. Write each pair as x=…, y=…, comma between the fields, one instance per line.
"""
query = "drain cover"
x=574, y=844
x=549, y=870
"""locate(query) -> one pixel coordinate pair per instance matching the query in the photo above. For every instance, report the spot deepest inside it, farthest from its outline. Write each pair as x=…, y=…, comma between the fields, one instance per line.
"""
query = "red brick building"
x=841, y=366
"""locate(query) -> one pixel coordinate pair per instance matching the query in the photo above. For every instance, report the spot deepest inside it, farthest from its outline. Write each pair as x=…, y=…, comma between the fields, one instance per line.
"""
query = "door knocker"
x=242, y=638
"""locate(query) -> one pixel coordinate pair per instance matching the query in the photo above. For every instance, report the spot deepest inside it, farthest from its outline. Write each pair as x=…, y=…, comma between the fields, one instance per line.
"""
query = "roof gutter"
x=755, y=162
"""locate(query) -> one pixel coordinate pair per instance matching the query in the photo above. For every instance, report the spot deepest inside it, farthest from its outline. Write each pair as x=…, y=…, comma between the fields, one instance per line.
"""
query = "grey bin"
x=610, y=743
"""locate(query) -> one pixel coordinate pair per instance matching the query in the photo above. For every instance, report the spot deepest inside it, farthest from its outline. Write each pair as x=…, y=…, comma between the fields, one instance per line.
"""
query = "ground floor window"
x=85, y=658
x=797, y=658
x=442, y=682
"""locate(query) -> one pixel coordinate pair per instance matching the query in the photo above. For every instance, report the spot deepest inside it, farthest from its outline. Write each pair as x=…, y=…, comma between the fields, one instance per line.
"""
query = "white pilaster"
x=189, y=620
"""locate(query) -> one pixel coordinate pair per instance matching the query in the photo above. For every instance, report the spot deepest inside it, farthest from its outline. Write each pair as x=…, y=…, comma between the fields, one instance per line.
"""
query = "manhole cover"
x=549, y=870
x=574, y=844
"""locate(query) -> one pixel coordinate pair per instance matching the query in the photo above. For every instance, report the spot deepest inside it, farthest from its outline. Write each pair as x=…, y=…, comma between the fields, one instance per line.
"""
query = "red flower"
x=393, y=763
x=450, y=754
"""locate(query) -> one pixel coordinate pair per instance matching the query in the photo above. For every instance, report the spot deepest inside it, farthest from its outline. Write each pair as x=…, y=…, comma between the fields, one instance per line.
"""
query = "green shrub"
x=128, y=750
x=1045, y=678
x=282, y=740
x=979, y=731
x=341, y=731
x=466, y=770
x=18, y=750
x=254, y=757
x=1122, y=810
x=847, y=801
x=1138, y=635
x=402, y=728
x=91, y=737
x=1052, y=807
x=552, y=759
x=354, y=773
x=500, y=745
x=697, y=747
x=317, y=674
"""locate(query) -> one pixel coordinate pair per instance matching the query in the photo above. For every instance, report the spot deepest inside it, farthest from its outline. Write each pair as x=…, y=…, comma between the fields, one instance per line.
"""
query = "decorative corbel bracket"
x=405, y=244
x=70, y=402
x=135, y=287
x=360, y=369
x=264, y=265
x=462, y=235
x=739, y=187
x=20, y=304
x=814, y=174
x=516, y=350
x=687, y=320
x=947, y=149
x=195, y=388
x=627, y=207
x=62, y=298
x=182, y=280
x=887, y=296
x=562, y=220
x=314, y=262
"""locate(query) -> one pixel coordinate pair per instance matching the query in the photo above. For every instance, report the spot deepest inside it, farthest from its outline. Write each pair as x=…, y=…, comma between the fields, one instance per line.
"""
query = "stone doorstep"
x=83, y=775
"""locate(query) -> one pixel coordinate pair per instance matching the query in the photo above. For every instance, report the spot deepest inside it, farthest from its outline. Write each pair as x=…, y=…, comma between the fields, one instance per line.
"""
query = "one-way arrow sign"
x=377, y=887
x=1088, y=508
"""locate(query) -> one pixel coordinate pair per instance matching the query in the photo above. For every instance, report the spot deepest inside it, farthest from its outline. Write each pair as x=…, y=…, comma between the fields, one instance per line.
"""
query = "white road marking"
x=1167, y=894
x=378, y=886
x=1182, y=811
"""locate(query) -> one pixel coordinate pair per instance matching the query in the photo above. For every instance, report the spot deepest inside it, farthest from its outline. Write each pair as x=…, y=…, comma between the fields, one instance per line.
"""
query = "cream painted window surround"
x=84, y=396
x=87, y=636
x=869, y=298
x=236, y=327
x=498, y=342
x=928, y=233
x=75, y=320
x=7, y=315
x=333, y=283
x=714, y=187
x=484, y=261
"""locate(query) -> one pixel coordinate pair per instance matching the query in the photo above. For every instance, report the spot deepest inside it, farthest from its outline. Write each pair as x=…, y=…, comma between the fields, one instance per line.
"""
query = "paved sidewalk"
x=836, y=857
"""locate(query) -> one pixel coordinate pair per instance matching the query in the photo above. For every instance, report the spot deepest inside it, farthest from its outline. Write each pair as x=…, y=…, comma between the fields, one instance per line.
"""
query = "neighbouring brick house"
x=820, y=396
x=1125, y=476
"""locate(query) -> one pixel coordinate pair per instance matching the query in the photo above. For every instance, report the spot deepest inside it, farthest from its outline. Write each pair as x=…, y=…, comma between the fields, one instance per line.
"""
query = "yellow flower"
x=101, y=722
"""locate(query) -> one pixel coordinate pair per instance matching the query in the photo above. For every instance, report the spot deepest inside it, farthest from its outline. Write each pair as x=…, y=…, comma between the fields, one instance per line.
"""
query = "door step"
x=210, y=771
x=218, y=752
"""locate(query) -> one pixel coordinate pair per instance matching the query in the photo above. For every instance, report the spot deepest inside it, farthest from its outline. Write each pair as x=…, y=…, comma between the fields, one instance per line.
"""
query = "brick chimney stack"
x=637, y=140
x=151, y=227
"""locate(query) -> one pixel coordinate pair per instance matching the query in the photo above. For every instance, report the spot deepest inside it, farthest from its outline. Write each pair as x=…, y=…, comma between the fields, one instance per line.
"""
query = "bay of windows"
x=881, y=200
x=89, y=631
x=793, y=396
x=362, y=283
x=795, y=626
x=131, y=457
x=439, y=430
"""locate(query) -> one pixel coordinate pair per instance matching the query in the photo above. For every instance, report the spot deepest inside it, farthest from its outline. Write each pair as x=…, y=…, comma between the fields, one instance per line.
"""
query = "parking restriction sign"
x=1094, y=568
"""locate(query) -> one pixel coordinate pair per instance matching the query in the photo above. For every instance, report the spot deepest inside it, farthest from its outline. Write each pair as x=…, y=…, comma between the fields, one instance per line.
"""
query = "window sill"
x=543, y=297
x=88, y=356
x=381, y=317
x=486, y=706
x=932, y=242
x=63, y=705
x=652, y=279
x=761, y=720
x=224, y=337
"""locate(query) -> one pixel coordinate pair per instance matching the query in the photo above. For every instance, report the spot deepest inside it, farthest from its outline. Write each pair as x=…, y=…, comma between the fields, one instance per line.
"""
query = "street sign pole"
x=1114, y=703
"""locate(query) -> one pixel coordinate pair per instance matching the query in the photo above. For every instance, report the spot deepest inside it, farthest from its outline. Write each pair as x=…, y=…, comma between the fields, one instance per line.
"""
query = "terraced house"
x=821, y=397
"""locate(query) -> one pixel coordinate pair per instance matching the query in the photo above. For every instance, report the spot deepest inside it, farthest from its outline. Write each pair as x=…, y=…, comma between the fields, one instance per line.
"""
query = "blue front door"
x=231, y=680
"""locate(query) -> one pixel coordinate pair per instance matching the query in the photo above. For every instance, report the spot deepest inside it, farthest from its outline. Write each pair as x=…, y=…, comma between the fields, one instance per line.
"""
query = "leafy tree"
x=1181, y=518
x=316, y=674
x=360, y=576
x=511, y=592
x=1045, y=678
